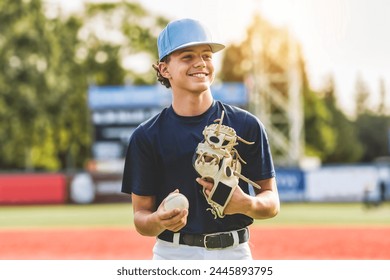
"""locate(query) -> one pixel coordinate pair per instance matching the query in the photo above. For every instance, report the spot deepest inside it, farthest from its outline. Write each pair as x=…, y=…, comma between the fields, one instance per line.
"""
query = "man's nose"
x=200, y=63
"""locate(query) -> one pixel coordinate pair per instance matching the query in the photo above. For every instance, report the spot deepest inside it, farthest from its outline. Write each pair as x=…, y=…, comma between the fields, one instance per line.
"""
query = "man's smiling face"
x=190, y=69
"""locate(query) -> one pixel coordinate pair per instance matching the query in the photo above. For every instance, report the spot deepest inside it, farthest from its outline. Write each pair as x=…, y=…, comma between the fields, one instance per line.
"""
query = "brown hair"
x=164, y=81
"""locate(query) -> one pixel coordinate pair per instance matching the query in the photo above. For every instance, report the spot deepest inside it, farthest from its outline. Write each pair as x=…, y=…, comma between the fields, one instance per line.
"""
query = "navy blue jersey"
x=159, y=160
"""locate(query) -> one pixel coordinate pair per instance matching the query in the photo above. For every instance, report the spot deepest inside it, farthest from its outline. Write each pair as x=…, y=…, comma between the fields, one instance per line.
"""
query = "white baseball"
x=176, y=200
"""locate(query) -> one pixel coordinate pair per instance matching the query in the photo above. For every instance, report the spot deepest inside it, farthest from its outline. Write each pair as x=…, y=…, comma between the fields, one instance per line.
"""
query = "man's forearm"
x=146, y=223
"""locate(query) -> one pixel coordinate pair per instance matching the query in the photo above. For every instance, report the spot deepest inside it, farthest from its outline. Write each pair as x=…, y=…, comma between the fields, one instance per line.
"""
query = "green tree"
x=372, y=123
x=124, y=29
x=373, y=132
x=347, y=145
x=24, y=57
x=362, y=96
x=46, y=65
x=320, y=138
x=383, y=97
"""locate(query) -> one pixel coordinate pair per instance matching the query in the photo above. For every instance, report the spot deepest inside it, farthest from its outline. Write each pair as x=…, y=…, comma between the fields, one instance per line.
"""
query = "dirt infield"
x=273, y=243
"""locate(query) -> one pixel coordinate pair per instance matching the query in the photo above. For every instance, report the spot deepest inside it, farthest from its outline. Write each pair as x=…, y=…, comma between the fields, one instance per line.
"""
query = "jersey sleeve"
x=258, y=156
x=140, y=172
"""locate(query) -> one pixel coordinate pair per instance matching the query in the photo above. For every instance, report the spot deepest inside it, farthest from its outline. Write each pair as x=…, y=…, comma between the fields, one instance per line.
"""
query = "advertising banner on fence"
x=291, y=184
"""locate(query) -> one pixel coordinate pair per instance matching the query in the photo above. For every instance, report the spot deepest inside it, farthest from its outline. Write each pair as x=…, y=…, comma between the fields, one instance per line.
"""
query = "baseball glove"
x=216, y=160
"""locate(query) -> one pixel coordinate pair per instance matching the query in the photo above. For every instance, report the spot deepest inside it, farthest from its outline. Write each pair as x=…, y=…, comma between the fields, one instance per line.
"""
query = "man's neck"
x=188, y=105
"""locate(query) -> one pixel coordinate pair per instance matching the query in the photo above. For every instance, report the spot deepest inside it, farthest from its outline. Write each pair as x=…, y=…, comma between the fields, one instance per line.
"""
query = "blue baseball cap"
x=184, y=33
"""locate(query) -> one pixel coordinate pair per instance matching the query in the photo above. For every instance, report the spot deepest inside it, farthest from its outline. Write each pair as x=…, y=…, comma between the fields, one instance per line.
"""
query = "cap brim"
x=215, y=47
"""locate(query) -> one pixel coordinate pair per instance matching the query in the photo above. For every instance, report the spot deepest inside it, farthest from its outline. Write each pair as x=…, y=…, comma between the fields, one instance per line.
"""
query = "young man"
x=159, y=159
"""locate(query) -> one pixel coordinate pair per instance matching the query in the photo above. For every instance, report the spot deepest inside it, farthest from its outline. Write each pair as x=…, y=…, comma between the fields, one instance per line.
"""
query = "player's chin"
x=200, y=87
x=205, y=80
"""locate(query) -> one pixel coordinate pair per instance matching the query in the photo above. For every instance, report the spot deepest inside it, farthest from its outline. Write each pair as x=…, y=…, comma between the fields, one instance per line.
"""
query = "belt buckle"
x=206, y=236
x=220, y=236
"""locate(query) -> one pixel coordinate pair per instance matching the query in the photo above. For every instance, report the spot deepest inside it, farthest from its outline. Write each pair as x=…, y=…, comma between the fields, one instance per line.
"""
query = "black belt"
x=210, y=241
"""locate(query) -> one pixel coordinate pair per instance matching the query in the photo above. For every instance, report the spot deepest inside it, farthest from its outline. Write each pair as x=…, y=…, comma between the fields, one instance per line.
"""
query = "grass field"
x=331, y=214
x=120, y=215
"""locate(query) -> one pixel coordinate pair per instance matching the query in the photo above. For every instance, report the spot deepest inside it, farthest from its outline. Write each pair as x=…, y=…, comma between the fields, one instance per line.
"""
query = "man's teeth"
x=199, y=75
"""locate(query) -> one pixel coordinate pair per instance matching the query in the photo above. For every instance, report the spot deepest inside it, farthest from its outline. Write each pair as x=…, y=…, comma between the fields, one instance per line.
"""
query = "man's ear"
x=163, y=68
